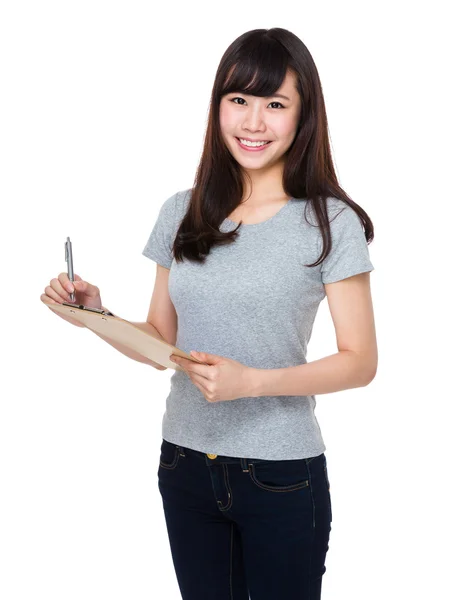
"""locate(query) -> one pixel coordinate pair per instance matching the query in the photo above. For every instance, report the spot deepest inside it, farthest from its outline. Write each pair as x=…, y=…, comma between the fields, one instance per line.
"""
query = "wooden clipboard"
x=124, y=332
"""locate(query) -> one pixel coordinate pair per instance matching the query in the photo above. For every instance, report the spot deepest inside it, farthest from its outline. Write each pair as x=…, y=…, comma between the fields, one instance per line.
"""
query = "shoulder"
x=179, y=202
x=335, y=206
x=340, y=214
x=175, y=206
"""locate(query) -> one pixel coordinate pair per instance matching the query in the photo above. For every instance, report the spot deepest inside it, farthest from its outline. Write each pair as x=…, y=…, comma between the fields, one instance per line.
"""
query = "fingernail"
x=70, y=287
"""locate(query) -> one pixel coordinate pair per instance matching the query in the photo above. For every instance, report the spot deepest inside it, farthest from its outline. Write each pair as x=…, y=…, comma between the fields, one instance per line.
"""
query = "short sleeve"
x=160, y=242
x=350, y=252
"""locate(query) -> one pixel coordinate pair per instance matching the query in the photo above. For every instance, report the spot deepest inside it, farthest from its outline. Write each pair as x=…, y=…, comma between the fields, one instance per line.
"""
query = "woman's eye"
x=238, y=98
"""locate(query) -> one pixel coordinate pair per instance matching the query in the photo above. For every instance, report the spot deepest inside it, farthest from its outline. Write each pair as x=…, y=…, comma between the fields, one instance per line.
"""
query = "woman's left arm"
x=355, y=363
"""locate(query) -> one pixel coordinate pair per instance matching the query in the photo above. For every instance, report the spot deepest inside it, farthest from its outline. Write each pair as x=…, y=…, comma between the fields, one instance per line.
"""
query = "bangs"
x=260, y=70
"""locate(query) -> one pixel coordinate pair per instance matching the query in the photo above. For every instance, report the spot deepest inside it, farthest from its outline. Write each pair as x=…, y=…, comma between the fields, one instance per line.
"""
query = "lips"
x=249, y=140
x=253, y=148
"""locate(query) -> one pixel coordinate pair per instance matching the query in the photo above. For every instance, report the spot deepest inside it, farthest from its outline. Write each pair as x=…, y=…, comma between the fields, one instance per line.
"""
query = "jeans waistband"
x=221, y=459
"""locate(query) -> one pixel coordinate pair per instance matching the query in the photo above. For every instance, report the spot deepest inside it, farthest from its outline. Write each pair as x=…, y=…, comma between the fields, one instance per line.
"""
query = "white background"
x=103, y=112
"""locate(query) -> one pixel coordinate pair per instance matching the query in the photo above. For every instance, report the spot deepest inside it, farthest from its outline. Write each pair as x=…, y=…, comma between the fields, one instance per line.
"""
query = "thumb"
x=87, y=288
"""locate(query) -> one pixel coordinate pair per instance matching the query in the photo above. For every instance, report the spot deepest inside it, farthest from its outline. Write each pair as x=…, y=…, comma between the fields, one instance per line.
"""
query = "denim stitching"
x=174, y=463
x=290, y=488
x=307, y=462
x=328, y=490
x=228, y=488
x=231, y=564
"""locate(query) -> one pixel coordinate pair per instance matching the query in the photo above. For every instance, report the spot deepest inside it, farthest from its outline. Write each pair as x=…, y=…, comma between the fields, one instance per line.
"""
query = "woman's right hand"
x=85, y=293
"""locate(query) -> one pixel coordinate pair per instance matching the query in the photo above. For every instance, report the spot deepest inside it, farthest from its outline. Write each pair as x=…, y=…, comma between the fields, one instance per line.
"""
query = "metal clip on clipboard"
x=96, y=310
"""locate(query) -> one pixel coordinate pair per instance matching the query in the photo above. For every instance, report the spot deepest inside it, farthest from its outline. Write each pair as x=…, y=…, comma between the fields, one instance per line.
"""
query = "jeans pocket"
x=169, y=455
x=279, y=475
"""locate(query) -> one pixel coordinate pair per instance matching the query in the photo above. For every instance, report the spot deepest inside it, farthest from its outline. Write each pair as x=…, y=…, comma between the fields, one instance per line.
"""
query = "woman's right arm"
x=89, y=295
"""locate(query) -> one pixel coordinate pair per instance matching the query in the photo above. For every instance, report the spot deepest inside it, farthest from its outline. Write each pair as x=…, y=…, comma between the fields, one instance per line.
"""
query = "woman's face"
x=273, y=120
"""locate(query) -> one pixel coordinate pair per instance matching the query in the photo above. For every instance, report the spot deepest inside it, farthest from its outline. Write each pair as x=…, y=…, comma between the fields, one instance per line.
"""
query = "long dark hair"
x=256, y=63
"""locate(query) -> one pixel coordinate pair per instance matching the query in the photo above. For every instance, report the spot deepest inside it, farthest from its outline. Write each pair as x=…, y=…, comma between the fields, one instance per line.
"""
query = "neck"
x=264, y=185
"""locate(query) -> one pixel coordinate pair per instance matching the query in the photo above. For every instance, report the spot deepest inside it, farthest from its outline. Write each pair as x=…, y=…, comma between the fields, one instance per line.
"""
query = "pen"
x=70, y=264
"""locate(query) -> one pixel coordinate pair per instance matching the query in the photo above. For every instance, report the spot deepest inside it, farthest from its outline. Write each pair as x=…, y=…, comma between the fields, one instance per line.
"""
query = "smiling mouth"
x=253, y=148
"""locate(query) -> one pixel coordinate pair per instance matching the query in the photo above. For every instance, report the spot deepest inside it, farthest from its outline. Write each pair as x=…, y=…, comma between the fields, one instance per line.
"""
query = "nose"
x=254, y=120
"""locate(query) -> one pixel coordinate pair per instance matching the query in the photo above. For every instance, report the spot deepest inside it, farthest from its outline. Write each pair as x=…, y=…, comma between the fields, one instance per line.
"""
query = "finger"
x=47, y=300
x=199, y=378
x=181, y=364
x=66, y=283
x=49, y=291
x=201, y=388
x=177, y=363
x=57, y=292
x=199, y=381
x=193, y=367
x=64, y=277
x=86, y=288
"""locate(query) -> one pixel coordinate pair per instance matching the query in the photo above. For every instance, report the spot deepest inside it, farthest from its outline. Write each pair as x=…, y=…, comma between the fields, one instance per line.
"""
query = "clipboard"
x=124, y=332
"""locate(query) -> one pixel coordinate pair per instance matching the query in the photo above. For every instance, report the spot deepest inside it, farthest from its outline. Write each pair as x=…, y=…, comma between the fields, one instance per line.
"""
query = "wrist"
x=254, y=382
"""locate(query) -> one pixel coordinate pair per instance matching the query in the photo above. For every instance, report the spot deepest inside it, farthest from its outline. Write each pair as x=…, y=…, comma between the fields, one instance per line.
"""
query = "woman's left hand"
x=221, y=379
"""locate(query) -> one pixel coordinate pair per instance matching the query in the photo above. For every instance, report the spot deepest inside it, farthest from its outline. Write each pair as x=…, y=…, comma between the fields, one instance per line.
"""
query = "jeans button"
x=212, y=456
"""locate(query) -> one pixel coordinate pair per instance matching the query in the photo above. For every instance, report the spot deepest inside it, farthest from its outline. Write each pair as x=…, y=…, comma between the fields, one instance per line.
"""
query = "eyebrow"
x=273, y=96
x=279, y=96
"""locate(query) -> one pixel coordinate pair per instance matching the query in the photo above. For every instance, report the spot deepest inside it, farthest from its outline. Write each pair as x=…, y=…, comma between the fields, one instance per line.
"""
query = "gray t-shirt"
x=255, y=302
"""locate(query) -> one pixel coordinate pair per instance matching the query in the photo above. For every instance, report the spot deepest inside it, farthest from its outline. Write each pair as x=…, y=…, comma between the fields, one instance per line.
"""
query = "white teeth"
x=252, y=144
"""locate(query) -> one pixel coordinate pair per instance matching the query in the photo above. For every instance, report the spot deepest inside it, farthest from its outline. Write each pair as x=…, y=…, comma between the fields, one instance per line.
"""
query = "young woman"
x=242, y=470
x=244, y=259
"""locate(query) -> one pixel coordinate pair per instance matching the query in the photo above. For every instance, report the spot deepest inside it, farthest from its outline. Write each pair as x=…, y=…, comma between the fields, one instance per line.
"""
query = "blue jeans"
x=244, y=526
